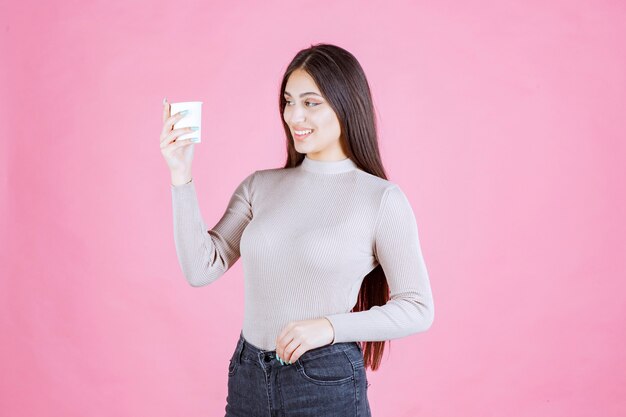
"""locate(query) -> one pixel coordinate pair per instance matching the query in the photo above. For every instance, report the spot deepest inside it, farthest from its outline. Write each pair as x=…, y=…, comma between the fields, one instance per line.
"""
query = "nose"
x=296, y=116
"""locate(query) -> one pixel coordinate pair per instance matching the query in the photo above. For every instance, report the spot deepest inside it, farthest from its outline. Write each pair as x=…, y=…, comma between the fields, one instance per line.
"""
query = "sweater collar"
x=328, y=167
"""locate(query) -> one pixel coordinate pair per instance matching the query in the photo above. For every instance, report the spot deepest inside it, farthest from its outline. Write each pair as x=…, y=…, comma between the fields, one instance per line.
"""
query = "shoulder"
x=269, y=175
x=264, y=179
x=389, y=196
x=380, y=187
x=271, y=172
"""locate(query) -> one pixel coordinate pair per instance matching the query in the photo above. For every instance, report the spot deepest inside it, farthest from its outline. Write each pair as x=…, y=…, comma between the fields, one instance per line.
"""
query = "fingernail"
x=164, y=100
x=194, y=128
x=184, y=112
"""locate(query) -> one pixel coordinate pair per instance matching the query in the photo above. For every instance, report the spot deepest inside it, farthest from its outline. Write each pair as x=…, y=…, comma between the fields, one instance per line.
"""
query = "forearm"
x=180, y=178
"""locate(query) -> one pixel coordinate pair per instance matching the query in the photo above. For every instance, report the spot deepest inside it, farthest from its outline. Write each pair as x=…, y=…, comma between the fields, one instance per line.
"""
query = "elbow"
x=197, y=280
x=196, y=283
x=200, y=278
x=423, y=324
x=418, y=311
x=424, y=318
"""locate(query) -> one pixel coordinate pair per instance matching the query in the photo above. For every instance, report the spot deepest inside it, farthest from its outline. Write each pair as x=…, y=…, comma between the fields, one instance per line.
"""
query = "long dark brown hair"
x=343, y=84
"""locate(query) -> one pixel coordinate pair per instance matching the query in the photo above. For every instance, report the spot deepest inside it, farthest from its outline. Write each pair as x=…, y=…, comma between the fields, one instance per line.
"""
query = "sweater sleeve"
x=410, y=308
x=206, y=254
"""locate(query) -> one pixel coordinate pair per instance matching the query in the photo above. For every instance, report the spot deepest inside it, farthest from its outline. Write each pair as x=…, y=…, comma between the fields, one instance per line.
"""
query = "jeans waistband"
x=243, y=344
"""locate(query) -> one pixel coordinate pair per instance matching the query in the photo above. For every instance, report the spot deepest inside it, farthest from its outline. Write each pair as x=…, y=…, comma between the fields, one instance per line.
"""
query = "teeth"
x=303, y=132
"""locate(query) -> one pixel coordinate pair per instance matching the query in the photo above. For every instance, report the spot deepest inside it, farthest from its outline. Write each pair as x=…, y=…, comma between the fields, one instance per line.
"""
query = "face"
x=307, y=109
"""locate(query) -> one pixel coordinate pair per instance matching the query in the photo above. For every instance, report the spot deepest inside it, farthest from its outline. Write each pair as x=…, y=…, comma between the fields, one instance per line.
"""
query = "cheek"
x=330, y=124
x=327, y=119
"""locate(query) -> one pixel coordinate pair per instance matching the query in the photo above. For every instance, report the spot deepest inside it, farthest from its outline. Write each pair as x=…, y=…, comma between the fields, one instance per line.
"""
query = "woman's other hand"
x=301, y=336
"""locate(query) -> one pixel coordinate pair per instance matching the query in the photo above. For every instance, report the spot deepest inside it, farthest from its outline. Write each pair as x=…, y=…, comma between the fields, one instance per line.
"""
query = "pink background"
x=503, y=122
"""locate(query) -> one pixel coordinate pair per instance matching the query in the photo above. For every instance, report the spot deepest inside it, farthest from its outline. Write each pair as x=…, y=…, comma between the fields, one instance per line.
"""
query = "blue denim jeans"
x=324, y=382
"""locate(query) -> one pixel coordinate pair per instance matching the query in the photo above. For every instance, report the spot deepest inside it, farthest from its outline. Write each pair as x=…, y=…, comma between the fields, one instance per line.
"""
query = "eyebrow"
x=304, y=94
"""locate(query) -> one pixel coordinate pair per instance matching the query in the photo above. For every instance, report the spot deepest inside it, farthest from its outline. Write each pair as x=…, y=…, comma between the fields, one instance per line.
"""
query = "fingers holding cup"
x=192, y=112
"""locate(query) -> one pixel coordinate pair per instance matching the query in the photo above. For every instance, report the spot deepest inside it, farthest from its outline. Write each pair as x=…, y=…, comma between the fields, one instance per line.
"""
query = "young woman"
x=331, y=256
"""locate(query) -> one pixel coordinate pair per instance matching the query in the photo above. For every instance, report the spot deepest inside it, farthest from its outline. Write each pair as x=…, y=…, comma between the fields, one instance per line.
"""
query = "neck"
x=327, y=167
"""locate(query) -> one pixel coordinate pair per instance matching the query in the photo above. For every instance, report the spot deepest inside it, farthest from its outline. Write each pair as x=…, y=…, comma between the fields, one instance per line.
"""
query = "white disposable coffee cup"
x=192, y=118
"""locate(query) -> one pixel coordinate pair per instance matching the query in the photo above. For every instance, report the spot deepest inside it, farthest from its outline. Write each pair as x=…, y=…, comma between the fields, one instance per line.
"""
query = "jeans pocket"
x=327, y=369
x=232, y=367
x=234, y=363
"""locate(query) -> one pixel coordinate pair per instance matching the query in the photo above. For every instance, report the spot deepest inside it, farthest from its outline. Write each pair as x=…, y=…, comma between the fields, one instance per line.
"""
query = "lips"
x=302, y=137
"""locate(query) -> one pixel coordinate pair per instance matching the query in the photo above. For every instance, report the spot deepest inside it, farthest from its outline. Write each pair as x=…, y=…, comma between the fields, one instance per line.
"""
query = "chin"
x=300, y=148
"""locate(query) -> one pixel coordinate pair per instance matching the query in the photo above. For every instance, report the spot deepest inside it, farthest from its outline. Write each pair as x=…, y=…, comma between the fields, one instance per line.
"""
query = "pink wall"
x=503, y=121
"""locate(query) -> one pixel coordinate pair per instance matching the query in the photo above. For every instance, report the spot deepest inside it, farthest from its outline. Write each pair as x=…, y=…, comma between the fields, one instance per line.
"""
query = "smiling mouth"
x=302, y=136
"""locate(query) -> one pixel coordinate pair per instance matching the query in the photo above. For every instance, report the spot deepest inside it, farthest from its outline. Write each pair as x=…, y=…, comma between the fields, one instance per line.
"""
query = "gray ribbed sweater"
x=307, y=237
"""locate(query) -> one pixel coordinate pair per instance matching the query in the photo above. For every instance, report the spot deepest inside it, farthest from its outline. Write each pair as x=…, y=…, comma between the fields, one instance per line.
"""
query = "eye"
x=287, y=103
